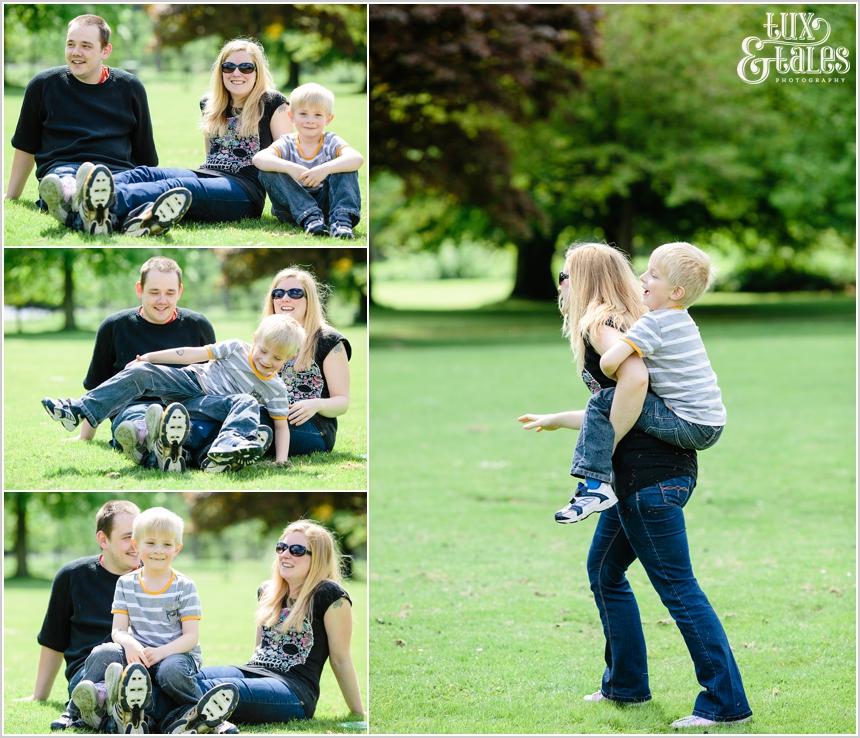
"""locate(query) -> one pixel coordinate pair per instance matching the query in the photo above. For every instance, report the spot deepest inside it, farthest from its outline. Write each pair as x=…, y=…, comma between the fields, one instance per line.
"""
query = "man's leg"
x=56, y=193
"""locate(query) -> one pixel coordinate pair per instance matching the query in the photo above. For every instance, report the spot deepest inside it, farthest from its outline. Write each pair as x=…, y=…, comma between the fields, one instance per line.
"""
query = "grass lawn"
x=483, y=621
x=41, y=455
x=178, y=139
x=226, y=637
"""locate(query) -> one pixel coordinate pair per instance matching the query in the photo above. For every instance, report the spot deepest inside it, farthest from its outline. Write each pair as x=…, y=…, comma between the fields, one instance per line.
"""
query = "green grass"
x=40, y=455
x=226, y=637
x=178, y=139
x=483, y=621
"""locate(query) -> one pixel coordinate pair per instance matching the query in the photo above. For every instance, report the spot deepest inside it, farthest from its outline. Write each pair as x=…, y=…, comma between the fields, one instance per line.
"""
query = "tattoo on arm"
x=180, y=352
x=283, y=107
x=337, y=603
x=338, y=348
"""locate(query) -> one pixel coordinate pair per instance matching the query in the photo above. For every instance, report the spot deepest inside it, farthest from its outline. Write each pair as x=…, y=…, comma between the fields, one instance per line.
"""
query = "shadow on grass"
x=16, y=582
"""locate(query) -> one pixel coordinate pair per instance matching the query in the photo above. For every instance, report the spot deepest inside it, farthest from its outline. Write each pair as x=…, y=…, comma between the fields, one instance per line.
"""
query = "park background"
x=501, y=134
x=229, y=548
x=171, y=49
x=55, y=299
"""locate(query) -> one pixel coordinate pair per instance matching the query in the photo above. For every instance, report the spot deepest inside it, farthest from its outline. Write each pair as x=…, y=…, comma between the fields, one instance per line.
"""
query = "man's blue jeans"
x=171, y=384
x=338, y=200
x=649, y=526
x=261, y=699
x=593, y=454
x=213, y=198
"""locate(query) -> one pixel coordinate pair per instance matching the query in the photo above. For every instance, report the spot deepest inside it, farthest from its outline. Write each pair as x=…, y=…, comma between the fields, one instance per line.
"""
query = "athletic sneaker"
x=90, y=698
x=156, y=218
x=314, y=225
x=173, y=430
x=212, y=709
x=586, y=501
x=235, y=449
x=342, y=230
x=63, y=412
x=129, y=693
x=226, y=728
x=598, y=696
x=138, y=437
x=65, y=720
x=265, y=436
x=96, y=193
x=51, y=193
x=694, y=721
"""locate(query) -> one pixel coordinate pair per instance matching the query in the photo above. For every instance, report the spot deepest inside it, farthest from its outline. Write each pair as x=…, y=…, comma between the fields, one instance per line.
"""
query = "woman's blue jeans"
x=649, y=526
x=261, y=699
x=213, y=198
x=593, y=454
x=337, y=200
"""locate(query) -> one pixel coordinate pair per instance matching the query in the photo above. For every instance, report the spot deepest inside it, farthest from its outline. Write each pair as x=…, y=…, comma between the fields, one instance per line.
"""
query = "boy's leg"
x=658, y=420
x=238, y=436
x=292, y=202
x=592, y=457
x=344, y=203
x=176, y=677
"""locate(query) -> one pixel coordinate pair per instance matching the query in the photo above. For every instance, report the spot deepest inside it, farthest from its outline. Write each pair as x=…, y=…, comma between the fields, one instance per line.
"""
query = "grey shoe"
x=51, y=193
x=90, y=701
x=174, y=426
x=95, y=194
x=211, y=710
x=342, y=230
x=154, y=219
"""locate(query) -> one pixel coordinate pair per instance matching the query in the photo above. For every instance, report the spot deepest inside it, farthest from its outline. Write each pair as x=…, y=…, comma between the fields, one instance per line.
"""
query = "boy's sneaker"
x=51, y=193
x=226, y=728
x=342, y=230
x=89, y=698
x=156, y=218
x=586, y=501
x=694, y=721
x=265, y=436
x=233, y=449
x=129, y=693
x=212, y=709
x=173, y=430
x=314, y=225
x=63, y=412
x=95, y=195
x=66, y=720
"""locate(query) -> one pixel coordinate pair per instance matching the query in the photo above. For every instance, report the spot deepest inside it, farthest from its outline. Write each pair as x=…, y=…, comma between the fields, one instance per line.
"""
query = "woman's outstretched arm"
x=338, y=627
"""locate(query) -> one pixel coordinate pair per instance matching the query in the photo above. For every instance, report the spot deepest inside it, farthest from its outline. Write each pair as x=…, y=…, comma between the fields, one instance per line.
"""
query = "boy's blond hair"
x=684, y=265
x=158, y=520
x=312, y=95
x=281, y=331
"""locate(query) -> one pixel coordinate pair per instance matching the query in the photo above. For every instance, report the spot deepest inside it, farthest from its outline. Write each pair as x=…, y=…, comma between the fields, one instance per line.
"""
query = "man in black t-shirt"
x=157, y=324
x=81, y=112
x=79, y=610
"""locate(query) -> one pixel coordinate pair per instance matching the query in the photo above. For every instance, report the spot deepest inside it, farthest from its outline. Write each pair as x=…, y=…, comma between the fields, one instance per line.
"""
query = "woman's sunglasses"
x=294, y=293
x=295, y=549
x=561, y=277
x=244, y=67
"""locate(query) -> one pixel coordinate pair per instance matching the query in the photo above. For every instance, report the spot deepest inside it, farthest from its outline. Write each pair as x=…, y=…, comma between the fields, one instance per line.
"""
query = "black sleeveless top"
x=640, y=460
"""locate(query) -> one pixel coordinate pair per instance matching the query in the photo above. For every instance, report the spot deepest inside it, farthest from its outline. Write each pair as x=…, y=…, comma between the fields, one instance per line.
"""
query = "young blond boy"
x=246, y=374
x=311, y=174
x=684, y=406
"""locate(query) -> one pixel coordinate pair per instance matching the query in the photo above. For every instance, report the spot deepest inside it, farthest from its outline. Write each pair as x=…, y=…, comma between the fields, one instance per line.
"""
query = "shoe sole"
x=126, y=436
x=97, y=195
x=215, y=706
x=265, y=436
x=240, y=455
x=86, y=699
x=152, y=419
x=169, y=207
x=135, y=689
x=50, y=191
x=597, y=508
x=63, y=417
x=173, y=432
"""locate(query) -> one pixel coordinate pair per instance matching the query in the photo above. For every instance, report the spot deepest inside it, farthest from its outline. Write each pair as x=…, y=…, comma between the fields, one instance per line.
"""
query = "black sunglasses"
x=561, y=277
x=295, y=549
x=295, y=293
x=244, y=67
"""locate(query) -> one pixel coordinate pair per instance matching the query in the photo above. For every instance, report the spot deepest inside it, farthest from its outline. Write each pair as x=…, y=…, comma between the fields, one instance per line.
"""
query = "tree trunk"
x=21, y=499
x=534, y=280
x=618, y=227
x=69, y=291
x=295, y=69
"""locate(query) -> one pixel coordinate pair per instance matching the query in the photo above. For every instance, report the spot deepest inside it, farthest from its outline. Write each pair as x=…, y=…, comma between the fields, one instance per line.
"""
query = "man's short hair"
x=158, y=520
x=98, y=22
x=160, y=264
x=107, y=512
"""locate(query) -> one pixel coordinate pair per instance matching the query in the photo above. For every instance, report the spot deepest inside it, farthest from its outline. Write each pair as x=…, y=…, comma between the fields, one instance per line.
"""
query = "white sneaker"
x=96, y=193
x=598, y=696
x=90, y=701
x=586, y=501
x=173, y=431
x=694, y=721
x=51, y=193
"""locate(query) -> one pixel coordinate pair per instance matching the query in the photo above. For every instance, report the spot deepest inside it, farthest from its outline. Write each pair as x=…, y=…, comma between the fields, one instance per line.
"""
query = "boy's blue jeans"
x=338, y=200
x=593, y=454
x=649, y=526
x=261, y=699
x=172, y=384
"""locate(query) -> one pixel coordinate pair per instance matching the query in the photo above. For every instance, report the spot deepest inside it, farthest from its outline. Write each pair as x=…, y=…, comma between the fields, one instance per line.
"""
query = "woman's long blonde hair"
x=602, y=288
x=325, y=566
x=314, y=321
x=219, y=102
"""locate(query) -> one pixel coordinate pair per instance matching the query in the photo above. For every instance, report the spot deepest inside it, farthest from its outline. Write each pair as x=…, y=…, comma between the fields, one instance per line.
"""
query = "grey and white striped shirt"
x=678, y=365
x=155, y=616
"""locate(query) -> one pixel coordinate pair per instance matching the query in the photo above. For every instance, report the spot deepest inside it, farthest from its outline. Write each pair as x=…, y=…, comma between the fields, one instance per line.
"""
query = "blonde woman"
x=600, y=299
x=304, y=617
x=318, y=378
x=242, y=113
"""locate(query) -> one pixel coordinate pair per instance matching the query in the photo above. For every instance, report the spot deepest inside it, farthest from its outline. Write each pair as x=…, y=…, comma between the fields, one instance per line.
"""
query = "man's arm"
x=22, y=165
x=182, y=356
x=142, y=141
x=50, y=662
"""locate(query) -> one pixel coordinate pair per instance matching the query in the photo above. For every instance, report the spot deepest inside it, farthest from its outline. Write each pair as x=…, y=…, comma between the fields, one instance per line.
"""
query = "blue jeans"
x=593, y=454
x=337, y=200
x=305, y=439
x=212, y=198
x=171, y=384
x=649, y=526
x=261, y=699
